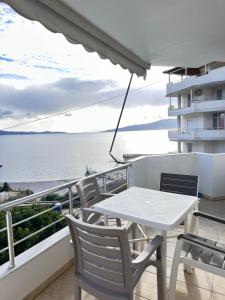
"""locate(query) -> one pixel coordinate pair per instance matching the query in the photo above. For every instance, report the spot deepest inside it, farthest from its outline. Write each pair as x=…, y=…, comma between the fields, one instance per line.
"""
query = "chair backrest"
x=88, y=191
x=102, y=256
x=180, y=184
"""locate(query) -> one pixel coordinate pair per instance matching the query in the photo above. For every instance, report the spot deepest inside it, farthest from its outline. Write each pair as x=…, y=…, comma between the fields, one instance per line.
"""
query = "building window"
x=219, y=94
x=189, y=100
x=218, y=120
x=215, y=121
x=221, y=120
x=189, y=147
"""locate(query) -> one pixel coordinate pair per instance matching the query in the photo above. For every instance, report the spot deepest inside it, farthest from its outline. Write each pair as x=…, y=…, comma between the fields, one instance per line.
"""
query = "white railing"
x=207, y=99
x=175, y=107
x=217, y=133
x=112, y=180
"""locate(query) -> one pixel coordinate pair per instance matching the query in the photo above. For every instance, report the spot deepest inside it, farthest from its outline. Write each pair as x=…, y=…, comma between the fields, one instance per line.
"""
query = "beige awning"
x=137, y=33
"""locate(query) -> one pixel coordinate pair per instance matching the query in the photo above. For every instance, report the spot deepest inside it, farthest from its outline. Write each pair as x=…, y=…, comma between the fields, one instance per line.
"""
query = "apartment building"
x=197, y=99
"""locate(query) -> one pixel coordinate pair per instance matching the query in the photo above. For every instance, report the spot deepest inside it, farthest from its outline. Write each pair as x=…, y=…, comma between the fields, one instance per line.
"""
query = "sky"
x=43, y=76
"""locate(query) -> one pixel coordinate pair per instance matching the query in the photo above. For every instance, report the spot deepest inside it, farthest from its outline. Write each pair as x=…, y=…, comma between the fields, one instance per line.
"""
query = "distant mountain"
x=3, y=132
x=157, y=125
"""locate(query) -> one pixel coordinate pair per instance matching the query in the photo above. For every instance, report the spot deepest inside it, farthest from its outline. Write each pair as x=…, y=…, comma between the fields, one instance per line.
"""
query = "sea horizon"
x=32, y=158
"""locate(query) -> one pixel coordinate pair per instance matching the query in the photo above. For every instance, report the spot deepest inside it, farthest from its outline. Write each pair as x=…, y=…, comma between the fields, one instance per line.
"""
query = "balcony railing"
x=207, y=100
x=112, y=180
x=217, y=133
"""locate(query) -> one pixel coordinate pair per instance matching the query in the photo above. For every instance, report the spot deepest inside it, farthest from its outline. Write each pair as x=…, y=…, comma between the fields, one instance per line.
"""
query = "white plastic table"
x=160, y=210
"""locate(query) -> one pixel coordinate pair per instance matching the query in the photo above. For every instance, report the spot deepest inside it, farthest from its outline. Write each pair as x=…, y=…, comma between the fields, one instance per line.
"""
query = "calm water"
x=62, y=156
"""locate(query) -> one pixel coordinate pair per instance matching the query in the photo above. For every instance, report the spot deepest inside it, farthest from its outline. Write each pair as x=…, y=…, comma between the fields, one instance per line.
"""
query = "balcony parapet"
x=202, y=105
x=214, y=76
x=197, y=134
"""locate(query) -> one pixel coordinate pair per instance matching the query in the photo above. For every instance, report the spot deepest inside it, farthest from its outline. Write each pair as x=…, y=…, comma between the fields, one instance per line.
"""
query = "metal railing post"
x=10, y=239
x=104, y=184
x=127, y=177
x=70, y=201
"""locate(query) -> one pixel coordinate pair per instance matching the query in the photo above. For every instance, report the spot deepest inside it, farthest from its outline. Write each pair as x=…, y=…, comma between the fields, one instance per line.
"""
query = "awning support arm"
x=118, y=123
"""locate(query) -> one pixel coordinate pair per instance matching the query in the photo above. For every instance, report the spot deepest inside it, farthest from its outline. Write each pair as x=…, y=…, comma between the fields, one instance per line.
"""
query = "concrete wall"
x=35, y=266
x=145, y=172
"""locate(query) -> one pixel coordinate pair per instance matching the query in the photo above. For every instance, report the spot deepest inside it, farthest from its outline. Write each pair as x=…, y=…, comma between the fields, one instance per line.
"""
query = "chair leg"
x=160, y=282
x=134, y=234
x=130, y=297
x=174, y=270
x=77, y=290
x=194, y=225
x=160, y=275
x=118, y=222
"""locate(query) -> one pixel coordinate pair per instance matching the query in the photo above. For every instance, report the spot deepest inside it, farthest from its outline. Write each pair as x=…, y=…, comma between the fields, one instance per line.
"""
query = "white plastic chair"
x=103, y=261
x=198, y=252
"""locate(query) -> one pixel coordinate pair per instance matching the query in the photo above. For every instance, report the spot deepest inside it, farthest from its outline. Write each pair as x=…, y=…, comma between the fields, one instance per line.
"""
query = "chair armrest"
x=148, y=251
x=92, y=215
x=193, y=239
x=106, y=195
x=88, y=210
x=209, y=217
x=128, y=226
x=96, y=216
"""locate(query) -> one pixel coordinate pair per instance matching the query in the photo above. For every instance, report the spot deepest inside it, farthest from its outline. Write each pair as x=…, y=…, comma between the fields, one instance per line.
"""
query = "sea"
x=43, y=157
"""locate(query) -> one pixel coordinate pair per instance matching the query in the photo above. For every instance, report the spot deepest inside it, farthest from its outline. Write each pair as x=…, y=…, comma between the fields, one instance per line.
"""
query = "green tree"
x=5, y=187
x=25, y=229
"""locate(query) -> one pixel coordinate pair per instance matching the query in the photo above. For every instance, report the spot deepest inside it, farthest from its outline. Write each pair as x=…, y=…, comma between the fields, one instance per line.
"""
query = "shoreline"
x=37, y=186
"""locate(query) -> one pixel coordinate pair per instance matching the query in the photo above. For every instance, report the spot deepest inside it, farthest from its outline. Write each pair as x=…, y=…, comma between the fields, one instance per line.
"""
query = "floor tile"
x=219, y=285
x=216, y=296
x=186, y=292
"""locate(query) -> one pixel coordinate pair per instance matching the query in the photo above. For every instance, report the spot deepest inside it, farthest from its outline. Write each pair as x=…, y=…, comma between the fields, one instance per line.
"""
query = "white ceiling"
x=162, y=32
x=137, y=33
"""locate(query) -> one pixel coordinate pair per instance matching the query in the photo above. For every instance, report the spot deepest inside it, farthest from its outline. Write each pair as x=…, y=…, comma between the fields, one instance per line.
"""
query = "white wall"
x=218, y=147
x=198, y=147
x=35, y=266
x=145, y=172
x=184, y=100
x=207, y=93
x=208, y=121
x=218, y=179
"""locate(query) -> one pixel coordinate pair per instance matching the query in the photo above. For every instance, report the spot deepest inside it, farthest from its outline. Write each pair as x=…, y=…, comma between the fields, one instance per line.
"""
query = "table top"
x=148, y=207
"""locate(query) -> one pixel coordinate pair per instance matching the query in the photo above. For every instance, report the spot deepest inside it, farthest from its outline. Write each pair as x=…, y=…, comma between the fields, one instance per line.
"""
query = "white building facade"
x=198, y=102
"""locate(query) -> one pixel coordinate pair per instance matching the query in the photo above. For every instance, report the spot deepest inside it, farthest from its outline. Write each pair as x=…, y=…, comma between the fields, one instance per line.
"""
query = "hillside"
x=3, y=132
x=157, y=125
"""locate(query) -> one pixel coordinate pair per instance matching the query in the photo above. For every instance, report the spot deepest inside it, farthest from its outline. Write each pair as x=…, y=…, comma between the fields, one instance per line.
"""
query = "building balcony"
x=215, y=76
x=47, y=267
x=180, y=135
x=197, y=135
x=197, y=106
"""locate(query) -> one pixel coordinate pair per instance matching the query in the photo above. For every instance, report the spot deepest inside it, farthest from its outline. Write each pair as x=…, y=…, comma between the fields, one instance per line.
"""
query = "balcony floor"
x=199, y=285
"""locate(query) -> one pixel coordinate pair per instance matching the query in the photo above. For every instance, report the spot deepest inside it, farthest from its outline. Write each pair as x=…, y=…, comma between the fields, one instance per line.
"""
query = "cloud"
x=7, y=15
x=6, y=114
x=68, y=93
x=63, y=70
x=12, y=76
x=8, y=59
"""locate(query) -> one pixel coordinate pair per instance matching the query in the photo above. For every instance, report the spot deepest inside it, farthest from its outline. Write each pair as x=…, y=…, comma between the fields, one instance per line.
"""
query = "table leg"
x=187, y=268
x=164, y=260
x=186, y=224
x=106, y=220
x=194, y=222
